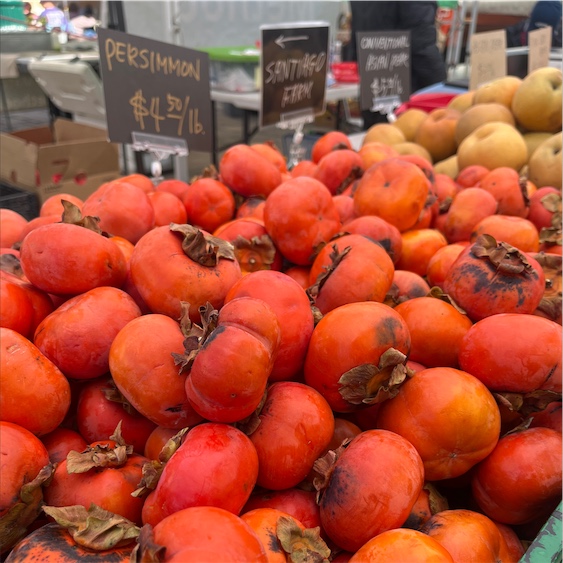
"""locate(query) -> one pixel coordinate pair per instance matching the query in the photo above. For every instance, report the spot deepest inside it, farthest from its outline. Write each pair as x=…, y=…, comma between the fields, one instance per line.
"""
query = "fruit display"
x=357, y=359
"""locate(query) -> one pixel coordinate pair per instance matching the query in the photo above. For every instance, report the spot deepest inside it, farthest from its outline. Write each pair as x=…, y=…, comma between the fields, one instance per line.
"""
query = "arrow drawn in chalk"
x=281, y=40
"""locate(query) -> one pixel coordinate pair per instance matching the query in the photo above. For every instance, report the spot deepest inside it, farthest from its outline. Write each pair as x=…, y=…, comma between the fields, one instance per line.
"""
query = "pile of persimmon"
x=358, y=359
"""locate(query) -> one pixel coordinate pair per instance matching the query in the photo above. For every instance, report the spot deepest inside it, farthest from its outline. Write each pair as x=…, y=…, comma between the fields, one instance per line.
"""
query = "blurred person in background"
x=418, y=17
x=84, y=24
x=544, y=13
x=52, y=16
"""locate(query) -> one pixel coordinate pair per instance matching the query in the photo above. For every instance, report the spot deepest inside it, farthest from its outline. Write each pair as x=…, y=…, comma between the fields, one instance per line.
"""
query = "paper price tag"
x=488, y=57
x=539, y=42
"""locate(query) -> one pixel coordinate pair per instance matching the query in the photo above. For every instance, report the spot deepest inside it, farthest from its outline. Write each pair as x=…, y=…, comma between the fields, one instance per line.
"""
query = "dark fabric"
x=546, y=13
x=427, y=64
x=419, y=18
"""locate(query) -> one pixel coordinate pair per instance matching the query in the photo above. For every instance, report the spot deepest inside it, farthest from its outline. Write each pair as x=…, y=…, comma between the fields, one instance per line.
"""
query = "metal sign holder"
x=296, y=120
x=160, y=148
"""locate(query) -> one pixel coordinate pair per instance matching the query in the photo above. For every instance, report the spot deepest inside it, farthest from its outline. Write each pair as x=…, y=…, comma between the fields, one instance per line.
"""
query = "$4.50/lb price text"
x=173, y=108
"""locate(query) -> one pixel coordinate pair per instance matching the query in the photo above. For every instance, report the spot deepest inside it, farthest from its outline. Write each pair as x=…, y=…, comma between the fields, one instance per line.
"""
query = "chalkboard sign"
x=384, y=64
x=155, y=88
x=294, y=67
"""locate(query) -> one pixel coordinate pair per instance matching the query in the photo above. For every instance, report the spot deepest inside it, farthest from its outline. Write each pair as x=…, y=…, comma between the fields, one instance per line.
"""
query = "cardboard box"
x=67, y=158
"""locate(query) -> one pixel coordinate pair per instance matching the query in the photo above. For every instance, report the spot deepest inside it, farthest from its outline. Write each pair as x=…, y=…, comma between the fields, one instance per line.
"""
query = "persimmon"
x=300, y=215
x=345, y=207
x=516, y=231
x=545, y=203
x=424, y=164
x=378, y=229
x=38, y=222
x=142, y=181
x=209, y=203
x=124, y=209
x=328, y=142
x=393, y=189
x=203, y=533
x=296, y=425
x=125, y=246
x=515, y=547
x=490, y=277
x=448, y=415
x=377, y=478
x=157, y=440
x=440, y=262
x=436, y=329
x=300, y=274
x=52, y=543
x=24, y=371
x=105, y=473
x=418, y=248
x=53, y=206
x=246, y=172
x=294, y=501
x=60, y=441
x=253, y=246
x=188, y=271
x=353, y=352
x=16, y=310
x=425, y=218
x=24, y=463
x=141, y=363
x=303, y=168
x=444, y=189
x=168, y=208
x=406, y=285
x=352, y=268
x=228, y=376
x=550, y=417
x=251, y=207
x=468, y=536
x=511, y=193
x=429, y=502
x=513, y=465
x=401, y=545
x=468, y=208
x=501, y=351
x=11, y=226
x=67, y=259
x=291, y=305
x=470, y=176
x=100, y=409
x=375, y=151
x=217, y=465
x=338, y=168
x=173, y=186
x=271, y=152
x=77, y=336
x=284, y=537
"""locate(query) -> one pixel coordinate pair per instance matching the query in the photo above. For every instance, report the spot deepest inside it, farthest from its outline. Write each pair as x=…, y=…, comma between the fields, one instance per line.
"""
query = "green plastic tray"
x=245, y=54
x=546, y=548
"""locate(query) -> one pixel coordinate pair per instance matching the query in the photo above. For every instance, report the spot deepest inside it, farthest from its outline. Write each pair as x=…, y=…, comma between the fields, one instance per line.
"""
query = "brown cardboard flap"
x=18, y=162
x=66, y=130
x=59, y=163
x=37, y=135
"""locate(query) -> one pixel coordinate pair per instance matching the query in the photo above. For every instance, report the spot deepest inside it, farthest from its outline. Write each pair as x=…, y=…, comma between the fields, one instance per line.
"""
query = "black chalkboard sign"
x=294, y=66
x=384, y=64
x=155, y=88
